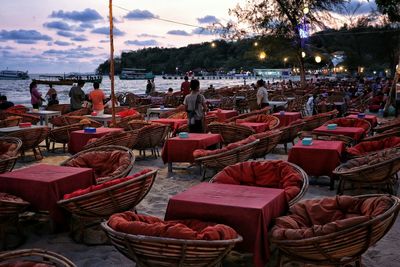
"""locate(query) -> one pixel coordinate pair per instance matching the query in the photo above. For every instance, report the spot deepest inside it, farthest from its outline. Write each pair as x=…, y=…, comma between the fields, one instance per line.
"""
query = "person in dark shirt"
x=185, y=87
x=4, y=104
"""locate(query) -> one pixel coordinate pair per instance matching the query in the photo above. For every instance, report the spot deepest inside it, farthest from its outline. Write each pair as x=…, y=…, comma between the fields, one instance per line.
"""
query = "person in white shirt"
x=262, y=94
x=310, y=104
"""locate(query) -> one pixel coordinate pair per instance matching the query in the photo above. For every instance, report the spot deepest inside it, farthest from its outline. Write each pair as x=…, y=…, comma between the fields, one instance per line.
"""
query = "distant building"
x=272, y=73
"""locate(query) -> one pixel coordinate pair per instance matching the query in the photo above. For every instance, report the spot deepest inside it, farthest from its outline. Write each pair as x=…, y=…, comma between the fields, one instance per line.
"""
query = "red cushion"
x=17, y=109
x=19, y=263
x=273, y=173
x=203, y=152
x=350, y=122
x=10, y=198
x=93, y=188
x=372, y=146
x=127, y=112
x=135, y=224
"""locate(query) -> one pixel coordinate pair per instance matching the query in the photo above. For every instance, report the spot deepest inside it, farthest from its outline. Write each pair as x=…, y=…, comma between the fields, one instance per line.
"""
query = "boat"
x=68, y=79
x=135, y=74
x=13, y=75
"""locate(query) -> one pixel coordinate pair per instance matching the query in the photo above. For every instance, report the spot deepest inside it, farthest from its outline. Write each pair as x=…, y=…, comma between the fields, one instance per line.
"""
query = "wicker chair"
x=351, y=122
x=172, y=112
x=62, y=134
x=230, y=133
x=289, y=133
x=31, y=138
x=10, y=208
x=25, y=117
x=47, y=257
x=347, y=140
x=375, y=169
x=268, y=141
x=100, y=204
x=387, y=125
x=106, y=174
x=84, y=120
x=342, y=247
x=124, y=122
x=125, y=139
x=7, y=161
x=273, y=122
x=383, y=135
x=148, y=251
x=10, y=121
x=137, y=124
x=151, y=137
x=265, y=110
x=117, y=109
x=63, y=108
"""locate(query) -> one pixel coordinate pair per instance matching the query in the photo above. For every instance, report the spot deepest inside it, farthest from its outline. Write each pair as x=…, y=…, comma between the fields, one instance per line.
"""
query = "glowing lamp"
x=262, y=55
x=318, y=59
x=213, y=44
x=255, y=43
x=303, y=54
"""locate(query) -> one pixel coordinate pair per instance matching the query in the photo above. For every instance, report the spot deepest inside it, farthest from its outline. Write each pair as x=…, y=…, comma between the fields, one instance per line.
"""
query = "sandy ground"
x=384, y=254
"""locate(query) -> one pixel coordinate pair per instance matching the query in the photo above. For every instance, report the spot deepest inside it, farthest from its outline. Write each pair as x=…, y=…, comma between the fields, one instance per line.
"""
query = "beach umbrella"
x=112, y=61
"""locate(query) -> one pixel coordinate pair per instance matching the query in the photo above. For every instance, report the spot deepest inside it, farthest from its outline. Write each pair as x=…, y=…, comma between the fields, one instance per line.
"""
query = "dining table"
x=173, y=123
x=372, y=119
x=223, y=114
x=356, y=133
x=45, y=115
x=286, y=118
x=105, y=118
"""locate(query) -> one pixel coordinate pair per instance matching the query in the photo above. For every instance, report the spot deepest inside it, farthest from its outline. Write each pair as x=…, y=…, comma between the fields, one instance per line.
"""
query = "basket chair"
x=351, y=122
x=47, y=257
x=178, y=109
x=63, y=108
x=117, y=109
x=289, y=133
x=83, y=120
x=25, y=117
x=273, y=122
x=10, y=147
x=268, y=141
x=342, y=247
x=230, y=133
x=103, y=172
x=367, y=147
x=137, y=124
x=383, y=135
x=31, y=138
x=62, y=134
x=124, y=122
x=125, y=139
x=151, y=137
x=395, y=123
x=10, y=121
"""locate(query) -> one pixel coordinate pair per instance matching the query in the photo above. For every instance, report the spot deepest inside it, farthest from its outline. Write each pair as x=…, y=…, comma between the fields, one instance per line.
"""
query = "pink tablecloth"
x=371, y=118
x=43, y=185
x=178, y=149
x=321, y=158
x=287, y=118
x=223, y=114
x=78, y=139
x=259, y=127
x=174, y=123
x=247, y=209
x=354, y=132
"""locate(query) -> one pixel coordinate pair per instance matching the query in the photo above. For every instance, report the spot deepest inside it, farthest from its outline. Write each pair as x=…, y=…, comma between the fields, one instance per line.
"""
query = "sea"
x=17, y=91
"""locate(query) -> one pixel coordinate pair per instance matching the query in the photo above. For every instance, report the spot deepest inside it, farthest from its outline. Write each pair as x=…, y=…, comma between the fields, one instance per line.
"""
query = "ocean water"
x=17, y=91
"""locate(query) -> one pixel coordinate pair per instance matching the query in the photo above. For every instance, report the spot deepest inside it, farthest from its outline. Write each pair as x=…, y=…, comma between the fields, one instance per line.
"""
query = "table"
x=105, y=118
x=287, y=118
x=354, y=132
x=174, y=123
x=318, y=159
x=43, y=185
x=178, y=149
x=258, y=127
x=78, y=139
x=275, y=104
x=158, y=111
x=7, y=130
x=247, y=209
x=370, y=118
x=45, y=115
x=223, y=114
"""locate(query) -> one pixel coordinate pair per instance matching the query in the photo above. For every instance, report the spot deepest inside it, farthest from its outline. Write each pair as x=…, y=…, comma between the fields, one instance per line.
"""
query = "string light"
x=213, y=45
x=256, y=44
x=262, y=55
x=303, y=54
x=318, y=59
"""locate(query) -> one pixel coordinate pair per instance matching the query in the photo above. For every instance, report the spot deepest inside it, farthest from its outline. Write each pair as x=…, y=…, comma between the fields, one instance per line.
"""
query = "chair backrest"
x=31, y=137
x=151, y=136
x=230, y=133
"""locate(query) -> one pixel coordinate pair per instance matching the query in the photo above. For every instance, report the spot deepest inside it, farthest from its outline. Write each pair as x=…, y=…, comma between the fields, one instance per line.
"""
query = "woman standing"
x=97, y=97
x=36, y=97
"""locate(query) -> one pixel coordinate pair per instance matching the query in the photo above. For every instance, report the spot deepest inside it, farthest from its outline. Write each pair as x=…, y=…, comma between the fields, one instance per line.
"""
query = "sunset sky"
x=47, y=36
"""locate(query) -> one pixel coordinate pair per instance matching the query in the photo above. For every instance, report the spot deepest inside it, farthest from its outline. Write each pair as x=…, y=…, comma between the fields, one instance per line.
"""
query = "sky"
x=47, y=36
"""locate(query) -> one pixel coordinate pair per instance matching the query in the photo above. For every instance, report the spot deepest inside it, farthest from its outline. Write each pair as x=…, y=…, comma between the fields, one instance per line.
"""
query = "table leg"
x=46, y=120
x=169, y=166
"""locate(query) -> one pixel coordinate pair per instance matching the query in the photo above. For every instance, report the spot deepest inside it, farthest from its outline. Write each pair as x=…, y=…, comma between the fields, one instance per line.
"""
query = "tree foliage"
x=390, y=8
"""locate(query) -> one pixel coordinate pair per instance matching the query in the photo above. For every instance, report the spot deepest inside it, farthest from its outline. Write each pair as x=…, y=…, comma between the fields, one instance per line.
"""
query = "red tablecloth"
x=178, y=149
x=43, y=185
x=321, y=158
x=287, y=118
x=78, y=139
x=354, y=132
x=371, y=118
x=223, y=114
x=174, y=123
x=247, y=209
x=259, y=127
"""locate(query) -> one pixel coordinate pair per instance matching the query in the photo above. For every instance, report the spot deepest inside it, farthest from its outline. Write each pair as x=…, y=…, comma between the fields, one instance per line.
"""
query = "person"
x=148, y=87
x=153, y=86
x=97, y=97
x=185, y=87
x=262, y=94
x=53, y=100
x=36, y=97
x=77, y=96
x=195, y=105
x=377, y=86
x=4, y=103
x=50, y=92
x=310, y=105
x=170, y=92
x=109, y=103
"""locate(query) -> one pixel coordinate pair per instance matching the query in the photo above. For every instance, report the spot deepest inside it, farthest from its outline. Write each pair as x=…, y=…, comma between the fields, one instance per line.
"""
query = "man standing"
x=185, y=87
x=195, y=105
x=77, y=96
x=262, y=94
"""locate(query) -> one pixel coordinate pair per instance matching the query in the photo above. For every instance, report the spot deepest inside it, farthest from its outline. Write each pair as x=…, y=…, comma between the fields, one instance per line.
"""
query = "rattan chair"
x=375, y=169
x=273, y=122
x=46, y=257
x=7, y=161
x=383, y=135
x=267, y=142
x=387, y=125
x=148, y=251
x=342, y=247
x=124, y=122
x=137, y=124
x=289, y=133
x=125, y=139
x=230, y=133
x=263, y=111
x=59, y=121
x=62, y=134
x=100, y=204
x=151, y=137
x=63, y=108
x=25, y=117
x=351, y=122
x=10, y=121
x=172, y=112
x=31, y=139
x=83, y=120
x=106, y=174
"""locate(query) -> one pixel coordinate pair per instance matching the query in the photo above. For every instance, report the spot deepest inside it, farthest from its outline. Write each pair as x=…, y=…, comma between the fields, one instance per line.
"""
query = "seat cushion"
x=198, y=153
x=372, y=146
x=349, y=122
x=19, y=263
x=10, y=198
x=318, y=217
x=127, y=113
x=273, y=174
x=8, y=149
x=135, y=224
x=371, y=159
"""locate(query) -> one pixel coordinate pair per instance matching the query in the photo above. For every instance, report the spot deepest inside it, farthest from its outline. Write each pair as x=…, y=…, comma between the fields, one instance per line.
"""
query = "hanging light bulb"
x=255, y=43
x=303, y=54
x=213, y=45
x=318, y=59
x=306, y=10
x=262, y=55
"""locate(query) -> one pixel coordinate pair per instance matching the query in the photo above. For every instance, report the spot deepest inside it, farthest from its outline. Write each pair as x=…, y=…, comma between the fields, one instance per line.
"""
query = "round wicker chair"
x=239, y=169
x=31, y=138
x=83, y=120
x=10, y=147
x=124, y=122
x=289, y=133
x=367, y=147
x=351, y=122
x=47, y=257
x=103, y=171
x=375, y=169
x=272, y=121
x=151, y=137
x=387, y=125
x=137, y=124
x=383, y=135
x=62, y=134
x=63, y=108
x=343, y=246
x=125, y=139
x=230, y=133
x=268, y=141
x=10, y=121
x=25, y=117
x=149, y=251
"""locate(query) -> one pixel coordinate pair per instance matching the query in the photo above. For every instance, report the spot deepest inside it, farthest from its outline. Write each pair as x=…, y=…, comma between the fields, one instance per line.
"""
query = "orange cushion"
x=136, y=224
x=93, y=188
x=372, y=146
x=127, y=112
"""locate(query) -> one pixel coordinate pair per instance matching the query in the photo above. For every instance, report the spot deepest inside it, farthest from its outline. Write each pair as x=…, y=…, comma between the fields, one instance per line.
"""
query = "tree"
x=391, y=8
x=287, y=18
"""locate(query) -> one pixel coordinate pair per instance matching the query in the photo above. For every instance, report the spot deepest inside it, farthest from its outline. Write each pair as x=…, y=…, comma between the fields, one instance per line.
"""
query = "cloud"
x=79, y=52
x=178, y=32
x=62, y=43
x=106, y=31
x=150, y=42
x=138, y=14
x=86, y=25
x=23, y=36
x=66, y=34
x=58, y=25
x=145, y=35
x=80, y=38
x=7, y=47
x=358, y=7
x=104, y=41
x=86, y=15
x=203, y=31
x=207, y=19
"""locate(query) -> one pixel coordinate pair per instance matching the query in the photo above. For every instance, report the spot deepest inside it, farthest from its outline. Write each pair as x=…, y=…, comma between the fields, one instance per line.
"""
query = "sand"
x=384, y=254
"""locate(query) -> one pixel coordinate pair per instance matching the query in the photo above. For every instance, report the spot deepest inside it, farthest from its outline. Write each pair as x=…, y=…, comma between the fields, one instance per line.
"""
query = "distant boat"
x=135, y=74
x=68, y=79
x=13, y=75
